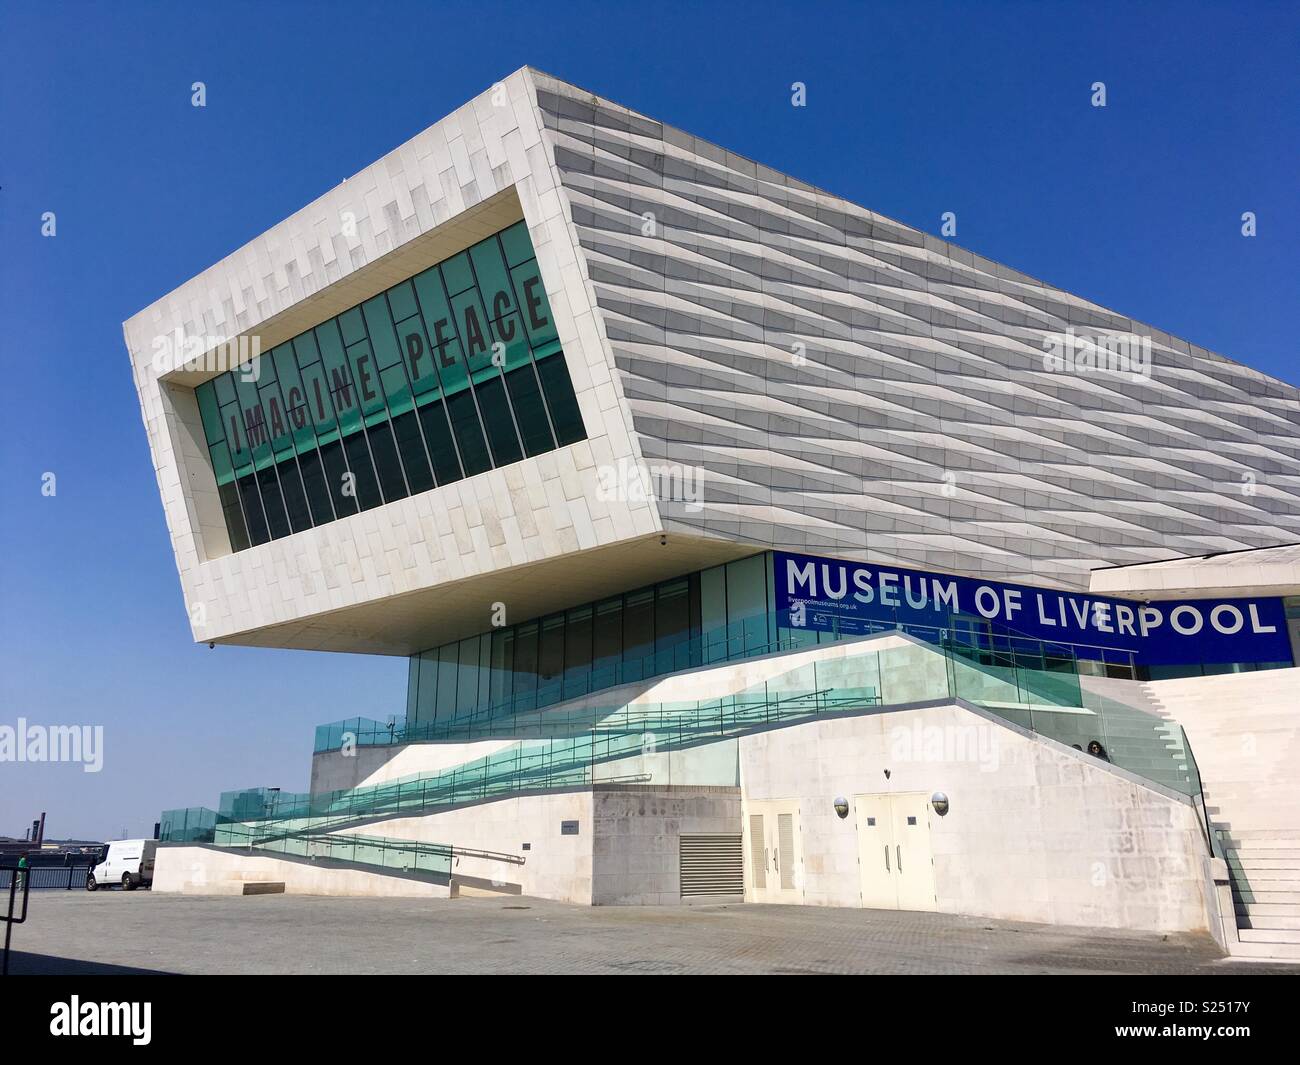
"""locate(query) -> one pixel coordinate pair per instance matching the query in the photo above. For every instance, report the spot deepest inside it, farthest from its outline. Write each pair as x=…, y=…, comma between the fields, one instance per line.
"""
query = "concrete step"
x=1252, y=897
x=1267, y=879
x=1252, y=863
x=1269, y=935
x=1274, y=951
x=1283, y=923
x=1266, y=849
x=1254, y=835
x=1267, y=909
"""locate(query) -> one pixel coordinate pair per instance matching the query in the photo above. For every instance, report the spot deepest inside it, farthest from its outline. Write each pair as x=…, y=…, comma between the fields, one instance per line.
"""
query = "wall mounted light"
x=940, y=803
x=842, y=806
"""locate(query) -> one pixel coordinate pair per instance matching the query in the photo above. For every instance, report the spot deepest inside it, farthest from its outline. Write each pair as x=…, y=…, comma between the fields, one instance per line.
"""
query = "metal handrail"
x=9, y=919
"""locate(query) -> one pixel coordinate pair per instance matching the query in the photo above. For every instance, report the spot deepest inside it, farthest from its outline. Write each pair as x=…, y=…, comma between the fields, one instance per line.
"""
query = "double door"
x=894, y=856
x=774, y=851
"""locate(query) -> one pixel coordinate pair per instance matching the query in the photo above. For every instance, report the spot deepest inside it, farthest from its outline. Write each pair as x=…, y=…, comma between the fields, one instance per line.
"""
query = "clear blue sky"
x=914, y=109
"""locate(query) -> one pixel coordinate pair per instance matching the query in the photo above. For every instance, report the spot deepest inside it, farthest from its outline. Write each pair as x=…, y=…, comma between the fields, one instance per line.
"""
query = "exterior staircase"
x=1244, y=730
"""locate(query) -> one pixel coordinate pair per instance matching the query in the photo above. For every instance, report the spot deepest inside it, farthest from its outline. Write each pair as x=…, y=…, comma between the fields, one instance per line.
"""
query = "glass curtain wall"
x=711, y=616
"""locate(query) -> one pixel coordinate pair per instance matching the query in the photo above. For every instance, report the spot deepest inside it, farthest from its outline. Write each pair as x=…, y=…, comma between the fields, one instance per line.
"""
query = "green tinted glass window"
x=447, y=374
x=210, y=412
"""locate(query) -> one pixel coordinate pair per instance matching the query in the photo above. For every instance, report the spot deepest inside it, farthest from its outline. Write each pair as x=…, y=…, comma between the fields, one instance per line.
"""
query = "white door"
x=755, y=826
x=895, y=862
x=913, y=860
x=775, y=851
x=875, y=852
x=787, y=854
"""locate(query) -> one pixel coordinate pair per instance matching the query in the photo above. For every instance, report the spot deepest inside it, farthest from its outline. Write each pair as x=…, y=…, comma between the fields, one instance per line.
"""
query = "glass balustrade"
x=622, y=738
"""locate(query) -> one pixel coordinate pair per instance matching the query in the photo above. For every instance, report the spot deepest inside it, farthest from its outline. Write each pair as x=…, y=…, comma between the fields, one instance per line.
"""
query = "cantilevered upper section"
x=805, y=374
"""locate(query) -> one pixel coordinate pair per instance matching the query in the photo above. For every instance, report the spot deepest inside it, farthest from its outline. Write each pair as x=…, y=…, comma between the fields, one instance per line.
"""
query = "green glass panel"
x=224, y=386
x=383, y=341
x=221, y=464
x=451, y=369
x=440, y=324
x=401, y=300
x=475, y=334
x=210, y=412
x=297, y=406
x=397, y=389
x=560, y=400
x=333, y=357
x=240, y=455
x=543, y=351
x=256, y=432
x=493, y=278
x=517, y=244
x=458, y=275
x=304, y=347
x=366, y=375
x=279, y=428
x=264, y=366
x=510, y=332
x=536, y=309
x=316, y=391
x=419, y=359
x=286, y=365
x=353, y=326
x=349, y=415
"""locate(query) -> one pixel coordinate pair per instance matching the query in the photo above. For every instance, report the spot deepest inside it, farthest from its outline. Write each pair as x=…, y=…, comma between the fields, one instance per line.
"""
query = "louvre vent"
x=785, y=832
x=757, y=859
x=711, y=864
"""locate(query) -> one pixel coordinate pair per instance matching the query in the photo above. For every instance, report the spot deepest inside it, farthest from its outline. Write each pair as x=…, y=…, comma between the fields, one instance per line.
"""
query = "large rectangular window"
x=453, y=372
x=715, y=615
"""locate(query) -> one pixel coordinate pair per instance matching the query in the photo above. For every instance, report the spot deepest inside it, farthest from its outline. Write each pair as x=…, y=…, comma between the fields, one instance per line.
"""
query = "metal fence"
x=48, y=877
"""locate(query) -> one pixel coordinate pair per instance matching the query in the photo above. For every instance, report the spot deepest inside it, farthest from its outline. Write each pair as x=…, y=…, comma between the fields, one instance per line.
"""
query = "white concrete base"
x=1036, y=831
x=213, y=871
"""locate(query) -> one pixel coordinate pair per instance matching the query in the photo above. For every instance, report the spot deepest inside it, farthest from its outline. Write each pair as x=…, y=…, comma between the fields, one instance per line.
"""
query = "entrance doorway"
x=894, y=856
x=774, y=851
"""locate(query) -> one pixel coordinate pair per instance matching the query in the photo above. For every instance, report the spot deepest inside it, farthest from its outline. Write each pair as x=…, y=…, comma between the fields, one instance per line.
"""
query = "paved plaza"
x=118, y=932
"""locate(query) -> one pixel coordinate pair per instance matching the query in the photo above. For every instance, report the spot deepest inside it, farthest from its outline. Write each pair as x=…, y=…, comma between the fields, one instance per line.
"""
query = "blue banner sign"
x=834, y=595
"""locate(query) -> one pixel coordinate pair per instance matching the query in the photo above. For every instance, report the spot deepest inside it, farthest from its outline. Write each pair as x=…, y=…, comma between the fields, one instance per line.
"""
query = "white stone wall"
x=212, y=871
x=637, y=838
x=1036, y=831
x=555, y=867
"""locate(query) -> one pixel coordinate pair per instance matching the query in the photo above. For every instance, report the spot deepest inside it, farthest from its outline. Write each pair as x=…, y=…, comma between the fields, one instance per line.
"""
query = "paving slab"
x=121, y=932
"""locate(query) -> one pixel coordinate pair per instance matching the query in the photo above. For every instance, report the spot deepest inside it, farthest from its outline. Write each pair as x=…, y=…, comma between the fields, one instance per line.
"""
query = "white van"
x=128, y=862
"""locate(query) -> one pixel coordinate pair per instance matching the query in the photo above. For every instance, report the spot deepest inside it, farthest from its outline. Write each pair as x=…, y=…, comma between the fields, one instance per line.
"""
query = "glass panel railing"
x=575, y=744
x=1002, y=668
x=191, y=824
x=379, y=852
